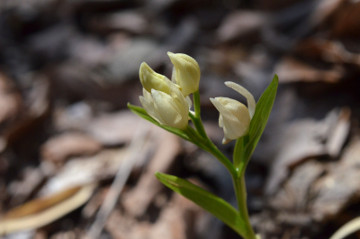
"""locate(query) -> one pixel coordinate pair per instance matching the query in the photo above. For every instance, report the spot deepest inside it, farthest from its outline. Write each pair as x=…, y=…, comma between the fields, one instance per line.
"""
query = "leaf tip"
x=158, y=175
x=276, y=79
x=129, y=105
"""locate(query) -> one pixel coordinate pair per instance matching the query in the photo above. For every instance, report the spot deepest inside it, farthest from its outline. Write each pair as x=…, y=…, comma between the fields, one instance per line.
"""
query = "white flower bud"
x=186, y=72
x=242, y=91
x=152, y=80
x=168, y=107
x=234, y=116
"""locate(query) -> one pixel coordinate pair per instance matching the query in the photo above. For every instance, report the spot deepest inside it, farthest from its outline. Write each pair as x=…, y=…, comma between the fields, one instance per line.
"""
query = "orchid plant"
x=167, y=104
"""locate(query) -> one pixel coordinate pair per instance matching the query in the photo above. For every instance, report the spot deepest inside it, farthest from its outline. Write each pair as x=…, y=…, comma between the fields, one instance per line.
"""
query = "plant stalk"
x=241, y=196
x=238, y=177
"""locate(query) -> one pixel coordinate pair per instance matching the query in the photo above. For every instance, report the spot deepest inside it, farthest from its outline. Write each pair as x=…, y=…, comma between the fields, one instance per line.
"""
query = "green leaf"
x=143, y=114
x=258, y=122
x=208, y=201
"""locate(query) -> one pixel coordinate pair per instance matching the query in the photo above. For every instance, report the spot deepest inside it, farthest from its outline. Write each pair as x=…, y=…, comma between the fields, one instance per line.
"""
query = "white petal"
x=186, y=72
x=234, y=117
x=148, y=103
x=170, y=113
x=249, y=97
x=182, y=102
x=152, y=80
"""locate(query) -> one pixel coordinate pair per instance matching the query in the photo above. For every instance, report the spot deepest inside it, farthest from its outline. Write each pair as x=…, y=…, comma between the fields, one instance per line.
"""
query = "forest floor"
x=69, y=68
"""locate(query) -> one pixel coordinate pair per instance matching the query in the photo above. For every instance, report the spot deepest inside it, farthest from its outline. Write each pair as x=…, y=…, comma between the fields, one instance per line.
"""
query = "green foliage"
x=246, y=145
x=262, y=113
x=237, y=219
x=208, y=201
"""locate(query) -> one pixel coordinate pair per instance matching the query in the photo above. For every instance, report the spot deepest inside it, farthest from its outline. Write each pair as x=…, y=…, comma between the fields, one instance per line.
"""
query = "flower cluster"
x=166, y=100
x=168, y=103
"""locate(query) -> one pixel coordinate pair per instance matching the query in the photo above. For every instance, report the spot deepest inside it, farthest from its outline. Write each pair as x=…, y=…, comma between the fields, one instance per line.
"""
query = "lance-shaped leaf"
x=208, y=201
x=258, y=122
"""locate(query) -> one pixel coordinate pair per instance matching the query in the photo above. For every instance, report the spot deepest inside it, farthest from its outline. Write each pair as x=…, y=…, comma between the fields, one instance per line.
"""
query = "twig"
x=138, y=142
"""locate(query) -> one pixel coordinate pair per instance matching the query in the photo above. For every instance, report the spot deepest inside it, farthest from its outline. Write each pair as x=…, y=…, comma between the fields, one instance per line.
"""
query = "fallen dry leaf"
x=347, y=22
x=31, y=117
x=179, y=219
x=306, y=139
x=333, y=192
x=292, y=70
x=137, y=200
x=42, y=211
x=10, y=106
x=115, y=128
x=323, y=10
x=61, y=147
x=10, y=100
x=82, y=170
x=241, y=23
x=329, y=51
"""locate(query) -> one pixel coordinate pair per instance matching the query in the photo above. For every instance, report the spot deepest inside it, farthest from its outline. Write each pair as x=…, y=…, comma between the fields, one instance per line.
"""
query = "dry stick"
x=138, y=142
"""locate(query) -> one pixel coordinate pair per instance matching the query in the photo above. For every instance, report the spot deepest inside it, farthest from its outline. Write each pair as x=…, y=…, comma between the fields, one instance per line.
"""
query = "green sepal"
x=208, y=201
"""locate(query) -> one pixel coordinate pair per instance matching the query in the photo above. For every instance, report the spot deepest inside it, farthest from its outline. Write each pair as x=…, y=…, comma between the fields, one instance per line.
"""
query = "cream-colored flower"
x=162, y=99
x=234, y=116
x=186, y=72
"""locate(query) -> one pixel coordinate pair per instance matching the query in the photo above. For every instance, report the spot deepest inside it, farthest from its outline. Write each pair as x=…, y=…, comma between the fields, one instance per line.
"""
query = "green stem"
x=196, y=98
x=236, y=172
x=201, y=135
x=196, y=117
x=206, y=144
x=237, y=155
x=240, y=192
x=221, y=157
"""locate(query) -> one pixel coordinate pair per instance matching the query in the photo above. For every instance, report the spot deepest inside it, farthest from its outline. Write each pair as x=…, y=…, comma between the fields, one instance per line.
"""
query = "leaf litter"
x=66, y=77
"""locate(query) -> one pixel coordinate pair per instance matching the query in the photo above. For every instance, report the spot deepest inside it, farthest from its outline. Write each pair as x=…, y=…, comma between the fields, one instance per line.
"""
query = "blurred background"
x=68, y=69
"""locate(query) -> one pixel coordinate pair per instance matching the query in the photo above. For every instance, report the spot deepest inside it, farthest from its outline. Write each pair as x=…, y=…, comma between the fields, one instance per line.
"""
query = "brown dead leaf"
x=324, y=10
x=43, y=211
x=10, y=107
x=31, y=179
x=292, y=70
x=167, y=147
x=306, y=139
x=21, y=132
x=85, y=169
x=115, y=128
x=347, y=22
x=178, y=219
x=61, y=147
x=294, y=194
x=327, y=51
x=10, y=100
x=128, y=21
x=333, y=192
x=241, y=23
x=339, y=133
